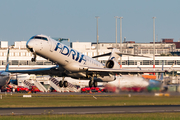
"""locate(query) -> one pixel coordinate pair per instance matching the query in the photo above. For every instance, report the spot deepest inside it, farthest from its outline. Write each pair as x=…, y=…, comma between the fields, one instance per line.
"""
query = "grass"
x=59, y=100
x=143, y=116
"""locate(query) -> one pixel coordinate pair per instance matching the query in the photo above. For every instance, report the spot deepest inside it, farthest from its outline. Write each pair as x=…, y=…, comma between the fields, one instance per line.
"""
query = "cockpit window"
x=38, y=37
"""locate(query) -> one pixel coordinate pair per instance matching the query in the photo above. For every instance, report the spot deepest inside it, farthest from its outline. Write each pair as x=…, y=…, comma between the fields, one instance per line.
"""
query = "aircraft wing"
x=56, y=70
x=121, y=71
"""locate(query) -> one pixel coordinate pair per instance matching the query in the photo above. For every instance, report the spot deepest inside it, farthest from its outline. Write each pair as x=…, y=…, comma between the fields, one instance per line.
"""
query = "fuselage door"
x=51, y=44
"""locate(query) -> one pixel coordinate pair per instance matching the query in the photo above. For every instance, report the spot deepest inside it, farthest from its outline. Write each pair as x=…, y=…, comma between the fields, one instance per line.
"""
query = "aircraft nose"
x=29, y=45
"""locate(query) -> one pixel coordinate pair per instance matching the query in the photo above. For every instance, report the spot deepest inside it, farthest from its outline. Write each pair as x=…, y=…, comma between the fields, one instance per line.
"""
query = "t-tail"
x=7, y=61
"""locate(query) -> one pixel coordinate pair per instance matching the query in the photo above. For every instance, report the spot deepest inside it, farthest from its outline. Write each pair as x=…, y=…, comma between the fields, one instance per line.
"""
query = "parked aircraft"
x=71, y=63
x=5, y=76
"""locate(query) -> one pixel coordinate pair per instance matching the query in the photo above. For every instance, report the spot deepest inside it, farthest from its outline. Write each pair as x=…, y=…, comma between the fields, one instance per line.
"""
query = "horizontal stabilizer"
x=102, y=55
x=119, y=53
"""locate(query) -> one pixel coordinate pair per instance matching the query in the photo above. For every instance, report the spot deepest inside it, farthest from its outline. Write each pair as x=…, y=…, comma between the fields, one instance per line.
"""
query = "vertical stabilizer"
x=7, y=61
x=114, y=55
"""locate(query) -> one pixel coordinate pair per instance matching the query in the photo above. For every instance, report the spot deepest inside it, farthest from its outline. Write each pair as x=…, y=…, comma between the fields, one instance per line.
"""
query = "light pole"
x=116, y=29
x=120, y=40
x=154, y=42
x=97, y=36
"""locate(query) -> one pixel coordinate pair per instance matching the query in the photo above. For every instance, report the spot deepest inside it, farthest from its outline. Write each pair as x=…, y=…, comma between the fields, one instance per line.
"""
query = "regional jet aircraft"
x=71, y=63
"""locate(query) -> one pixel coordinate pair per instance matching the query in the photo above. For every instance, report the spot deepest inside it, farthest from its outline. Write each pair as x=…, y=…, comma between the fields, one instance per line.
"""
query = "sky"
x=75, y=19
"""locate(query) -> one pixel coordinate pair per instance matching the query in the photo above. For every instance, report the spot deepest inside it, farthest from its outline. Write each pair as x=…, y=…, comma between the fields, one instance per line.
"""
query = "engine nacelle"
x=105, y=79
x=112, y=64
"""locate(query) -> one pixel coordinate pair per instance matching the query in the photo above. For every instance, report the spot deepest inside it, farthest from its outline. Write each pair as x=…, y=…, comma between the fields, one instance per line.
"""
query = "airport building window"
x=15, y=62
x=39, y=62
x=170, y=62
x=3, y=62
x=151, y=51
x=178, y=62
x=23, y=62
x=124, y=51
x=131, y=62
x=156, y=62
x=123, y=62
x=16, y=53
x=47, y=63
x=146, y=62
x=144, y=51
x=129, y=51
x=23, y=54
x=159, y=51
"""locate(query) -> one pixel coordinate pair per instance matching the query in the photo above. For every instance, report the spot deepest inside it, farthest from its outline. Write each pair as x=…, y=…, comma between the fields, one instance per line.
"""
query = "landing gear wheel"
x=60, y=84
x=90, y=83
x=95, y=84
x=65, y=83
x=33, y=59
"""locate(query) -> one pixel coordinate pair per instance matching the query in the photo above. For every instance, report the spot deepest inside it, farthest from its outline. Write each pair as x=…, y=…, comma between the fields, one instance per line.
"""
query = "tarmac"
x=90, y=110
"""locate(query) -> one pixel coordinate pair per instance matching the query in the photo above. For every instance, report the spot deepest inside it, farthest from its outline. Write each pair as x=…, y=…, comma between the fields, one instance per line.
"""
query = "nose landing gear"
x=34, y=57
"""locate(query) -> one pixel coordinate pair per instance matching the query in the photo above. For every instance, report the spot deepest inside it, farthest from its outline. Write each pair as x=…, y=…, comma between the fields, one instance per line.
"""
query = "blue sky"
x=75, y=19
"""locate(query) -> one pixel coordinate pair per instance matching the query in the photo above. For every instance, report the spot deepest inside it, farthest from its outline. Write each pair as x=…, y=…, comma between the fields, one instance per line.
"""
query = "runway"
x=90, y=110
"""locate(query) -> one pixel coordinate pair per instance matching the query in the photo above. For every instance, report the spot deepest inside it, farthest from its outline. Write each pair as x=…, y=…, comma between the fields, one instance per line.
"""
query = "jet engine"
x=112, y=64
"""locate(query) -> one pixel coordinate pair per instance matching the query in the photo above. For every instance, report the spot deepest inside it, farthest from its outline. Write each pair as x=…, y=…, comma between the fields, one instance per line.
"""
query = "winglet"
x=7, y=61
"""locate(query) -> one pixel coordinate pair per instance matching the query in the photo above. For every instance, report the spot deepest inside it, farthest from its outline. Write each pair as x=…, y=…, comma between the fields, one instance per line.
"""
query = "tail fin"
x=114, y=55
x=7, y=61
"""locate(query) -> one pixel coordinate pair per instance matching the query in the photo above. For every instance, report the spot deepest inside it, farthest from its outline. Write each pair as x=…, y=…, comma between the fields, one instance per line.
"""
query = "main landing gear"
x=63, y=83
x=92, y=83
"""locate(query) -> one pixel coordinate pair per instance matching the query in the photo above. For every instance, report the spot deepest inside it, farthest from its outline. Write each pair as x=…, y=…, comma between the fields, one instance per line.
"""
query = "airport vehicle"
x=22, y=89
x=71, y=63
x=34, y=89
x=85, y=90
x=91, y=89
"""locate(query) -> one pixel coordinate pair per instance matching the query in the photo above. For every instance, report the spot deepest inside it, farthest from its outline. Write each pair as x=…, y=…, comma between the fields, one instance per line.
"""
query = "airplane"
x=71, y=63
x=5, y=76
